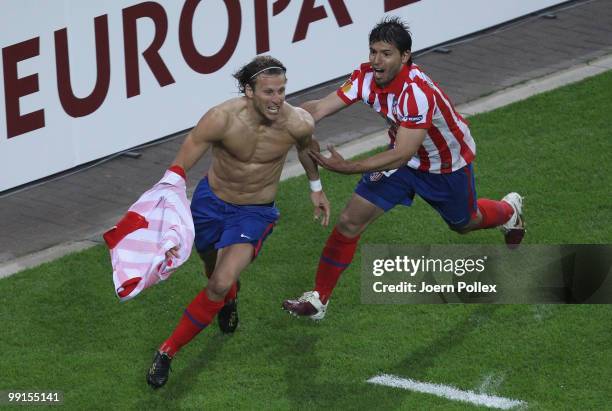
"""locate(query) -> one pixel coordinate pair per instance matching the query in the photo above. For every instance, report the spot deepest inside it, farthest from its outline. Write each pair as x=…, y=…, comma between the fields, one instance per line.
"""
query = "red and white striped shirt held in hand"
x=158, y=221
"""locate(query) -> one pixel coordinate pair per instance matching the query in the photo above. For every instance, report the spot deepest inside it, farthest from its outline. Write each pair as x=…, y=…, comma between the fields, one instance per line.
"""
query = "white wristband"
x=315, y=185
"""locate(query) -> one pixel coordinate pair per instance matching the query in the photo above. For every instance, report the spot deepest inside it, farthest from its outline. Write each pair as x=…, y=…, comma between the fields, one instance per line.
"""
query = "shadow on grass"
x=182, y=384
x=307, y=376
x=417, y=363
x=302, y=366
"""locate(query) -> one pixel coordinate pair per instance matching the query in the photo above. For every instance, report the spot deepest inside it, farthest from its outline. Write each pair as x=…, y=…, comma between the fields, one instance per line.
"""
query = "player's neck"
x=257, y=118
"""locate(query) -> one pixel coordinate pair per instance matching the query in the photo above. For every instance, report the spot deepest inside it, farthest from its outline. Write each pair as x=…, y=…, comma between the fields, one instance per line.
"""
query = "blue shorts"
x=219, y=224
x=452, y=195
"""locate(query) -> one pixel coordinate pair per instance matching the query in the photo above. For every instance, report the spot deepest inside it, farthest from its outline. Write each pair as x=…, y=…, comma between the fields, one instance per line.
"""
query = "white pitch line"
x=446, y=391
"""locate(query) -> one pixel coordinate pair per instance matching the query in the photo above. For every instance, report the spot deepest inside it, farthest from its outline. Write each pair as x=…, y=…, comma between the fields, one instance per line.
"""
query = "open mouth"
x=273, y=109
x=379, y=74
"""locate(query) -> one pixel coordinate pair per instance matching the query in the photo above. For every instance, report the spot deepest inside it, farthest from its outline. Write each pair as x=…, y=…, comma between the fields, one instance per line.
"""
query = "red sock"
x=196, y=317
x=494, y=213
x=335, y=258
x=232, y=293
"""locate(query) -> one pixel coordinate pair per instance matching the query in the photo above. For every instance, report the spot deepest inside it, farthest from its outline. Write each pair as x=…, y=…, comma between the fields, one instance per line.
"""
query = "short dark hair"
x=394, y=31
x=248, y=73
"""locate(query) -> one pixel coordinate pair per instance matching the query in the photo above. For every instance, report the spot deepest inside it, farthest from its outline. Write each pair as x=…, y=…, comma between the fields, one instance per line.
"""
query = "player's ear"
x=406, y=57
x=248, y=91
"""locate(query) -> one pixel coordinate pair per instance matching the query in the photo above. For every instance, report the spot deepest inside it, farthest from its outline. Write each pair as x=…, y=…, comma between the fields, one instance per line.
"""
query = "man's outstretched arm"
x=407, y=143
x=324, y=107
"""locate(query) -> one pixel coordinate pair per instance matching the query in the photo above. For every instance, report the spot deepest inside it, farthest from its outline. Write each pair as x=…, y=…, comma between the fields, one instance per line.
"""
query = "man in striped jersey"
x=430, y=154
x=233, y=205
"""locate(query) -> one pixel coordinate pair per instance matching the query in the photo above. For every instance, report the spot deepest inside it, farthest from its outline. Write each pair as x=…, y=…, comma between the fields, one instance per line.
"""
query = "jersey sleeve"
x=415, y=107
x=349, y=90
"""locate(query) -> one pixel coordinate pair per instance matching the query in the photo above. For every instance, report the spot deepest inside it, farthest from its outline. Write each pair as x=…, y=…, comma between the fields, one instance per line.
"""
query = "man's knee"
x=219, y=286
x=348, y=226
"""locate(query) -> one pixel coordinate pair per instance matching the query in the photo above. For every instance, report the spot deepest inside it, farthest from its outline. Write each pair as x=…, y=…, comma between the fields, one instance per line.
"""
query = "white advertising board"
x=84, y=79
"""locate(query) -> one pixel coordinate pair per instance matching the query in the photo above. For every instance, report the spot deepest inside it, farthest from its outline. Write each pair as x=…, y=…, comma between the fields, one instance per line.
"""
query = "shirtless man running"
x=233, y=206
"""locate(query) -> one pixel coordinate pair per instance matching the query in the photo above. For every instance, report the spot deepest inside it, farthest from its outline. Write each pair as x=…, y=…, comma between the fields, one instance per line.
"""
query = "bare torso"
x=249, y=158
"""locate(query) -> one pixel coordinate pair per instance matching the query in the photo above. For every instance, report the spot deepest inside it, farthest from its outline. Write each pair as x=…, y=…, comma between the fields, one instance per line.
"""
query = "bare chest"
x=262, y=145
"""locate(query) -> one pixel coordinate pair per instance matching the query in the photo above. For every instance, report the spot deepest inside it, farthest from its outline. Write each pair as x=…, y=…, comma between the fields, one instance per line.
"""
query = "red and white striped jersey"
x=160, y=220
x=413, y=100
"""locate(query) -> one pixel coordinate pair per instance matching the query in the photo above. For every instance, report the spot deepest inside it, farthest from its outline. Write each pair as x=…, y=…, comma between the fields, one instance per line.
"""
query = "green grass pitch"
x=63, y=328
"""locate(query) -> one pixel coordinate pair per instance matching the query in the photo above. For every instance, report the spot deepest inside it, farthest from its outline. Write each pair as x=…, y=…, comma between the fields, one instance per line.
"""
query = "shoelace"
x=516, y=218
x=306, y=297
x=158, y=366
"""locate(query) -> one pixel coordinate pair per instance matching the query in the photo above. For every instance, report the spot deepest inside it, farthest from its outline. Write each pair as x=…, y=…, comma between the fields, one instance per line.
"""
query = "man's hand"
x=173, y=252
x=335, y=163
x=322, y=208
